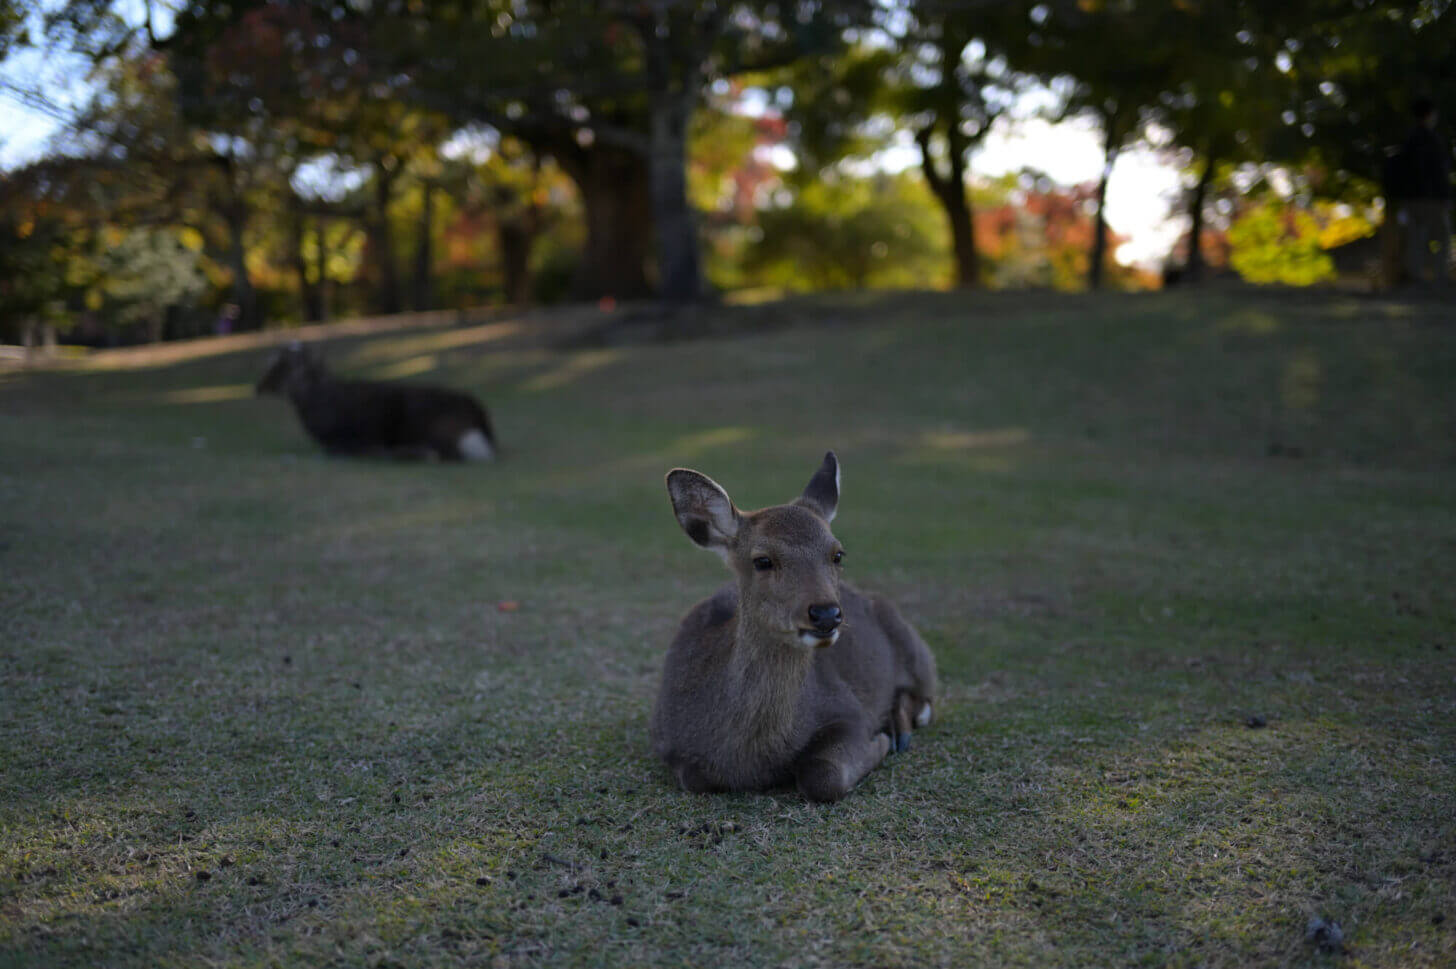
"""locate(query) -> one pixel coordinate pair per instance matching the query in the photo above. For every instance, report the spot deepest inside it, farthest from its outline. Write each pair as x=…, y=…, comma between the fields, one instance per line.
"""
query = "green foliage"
x=843, y=232
x=34, y=256
x=1353, y=70
x=139, y=273
x=1274, y=242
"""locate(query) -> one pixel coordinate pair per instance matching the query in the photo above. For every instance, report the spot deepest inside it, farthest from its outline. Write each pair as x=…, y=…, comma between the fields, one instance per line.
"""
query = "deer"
x=787, y=675
x=362, y=417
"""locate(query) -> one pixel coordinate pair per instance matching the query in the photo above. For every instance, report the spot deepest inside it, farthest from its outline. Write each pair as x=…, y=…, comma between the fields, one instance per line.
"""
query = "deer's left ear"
x=703, y=509
x=821, y=495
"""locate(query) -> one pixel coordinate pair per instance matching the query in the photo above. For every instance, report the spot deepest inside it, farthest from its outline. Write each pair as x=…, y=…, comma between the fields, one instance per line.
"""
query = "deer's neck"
x=768, y=678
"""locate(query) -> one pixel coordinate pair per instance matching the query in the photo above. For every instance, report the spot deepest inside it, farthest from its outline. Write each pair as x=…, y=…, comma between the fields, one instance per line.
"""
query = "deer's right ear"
x=703, y=509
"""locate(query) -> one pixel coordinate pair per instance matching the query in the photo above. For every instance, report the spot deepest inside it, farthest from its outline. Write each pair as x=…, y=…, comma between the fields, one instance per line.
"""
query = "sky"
x=1140, y=194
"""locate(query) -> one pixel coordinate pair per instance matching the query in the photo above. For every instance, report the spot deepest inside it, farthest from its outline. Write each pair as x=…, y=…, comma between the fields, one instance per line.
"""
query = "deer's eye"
x=838, y=557
x=763, y=563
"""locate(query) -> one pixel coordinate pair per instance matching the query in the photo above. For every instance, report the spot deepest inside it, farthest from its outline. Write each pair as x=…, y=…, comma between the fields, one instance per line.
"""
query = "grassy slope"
x=222, y=653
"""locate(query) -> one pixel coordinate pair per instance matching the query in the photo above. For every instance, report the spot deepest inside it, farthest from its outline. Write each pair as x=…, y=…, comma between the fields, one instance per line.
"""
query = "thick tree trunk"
x=381, y=244
x=614, y=190
x=1193, y=272
x=679, y=268
x=424, y=261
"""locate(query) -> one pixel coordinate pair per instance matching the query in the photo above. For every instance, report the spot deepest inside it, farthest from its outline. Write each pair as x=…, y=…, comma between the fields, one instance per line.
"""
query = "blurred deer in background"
x=361, y=417
x=788, y=674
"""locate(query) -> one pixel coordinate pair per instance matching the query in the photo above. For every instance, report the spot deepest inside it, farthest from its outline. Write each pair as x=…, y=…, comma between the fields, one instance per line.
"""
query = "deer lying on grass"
x=788, y=674
x=360, y=417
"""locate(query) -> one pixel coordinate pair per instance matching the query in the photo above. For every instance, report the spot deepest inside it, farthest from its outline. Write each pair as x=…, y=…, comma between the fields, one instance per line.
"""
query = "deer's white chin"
x=811, y=639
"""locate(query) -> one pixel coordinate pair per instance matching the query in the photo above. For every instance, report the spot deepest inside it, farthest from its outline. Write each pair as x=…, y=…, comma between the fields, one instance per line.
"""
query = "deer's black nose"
x=826, y=618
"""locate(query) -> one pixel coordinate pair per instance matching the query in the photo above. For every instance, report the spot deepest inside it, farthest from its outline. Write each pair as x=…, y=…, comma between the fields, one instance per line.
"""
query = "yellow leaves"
x=191, y=239
x=1342, y=224
x=94, y=299
x=25, y=229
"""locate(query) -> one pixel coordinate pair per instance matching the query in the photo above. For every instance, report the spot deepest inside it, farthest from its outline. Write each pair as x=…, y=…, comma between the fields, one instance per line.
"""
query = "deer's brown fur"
x=764, y=685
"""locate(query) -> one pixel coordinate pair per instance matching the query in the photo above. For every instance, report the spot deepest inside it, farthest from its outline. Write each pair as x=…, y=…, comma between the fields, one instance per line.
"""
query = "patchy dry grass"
x=261, y=708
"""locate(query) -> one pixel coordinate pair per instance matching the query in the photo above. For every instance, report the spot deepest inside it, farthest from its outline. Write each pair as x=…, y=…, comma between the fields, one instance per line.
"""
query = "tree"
x=1223, y=101
x=141, y=273
x=843, y=232
x=950, y=82
x=934, y=69
x=1353, y=71
x=1274, y=243
x=33, y=283
x=1112, y=59
x=609, y=91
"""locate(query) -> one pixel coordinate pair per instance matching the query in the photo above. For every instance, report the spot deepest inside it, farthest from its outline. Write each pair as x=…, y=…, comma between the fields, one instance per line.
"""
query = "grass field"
x=259, y=707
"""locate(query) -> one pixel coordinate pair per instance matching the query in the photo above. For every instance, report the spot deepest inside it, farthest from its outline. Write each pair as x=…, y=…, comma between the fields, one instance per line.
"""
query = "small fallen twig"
x=552, y=859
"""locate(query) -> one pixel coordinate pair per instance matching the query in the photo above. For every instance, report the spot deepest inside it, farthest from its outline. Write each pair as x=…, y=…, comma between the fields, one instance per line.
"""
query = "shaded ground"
x=258, y=707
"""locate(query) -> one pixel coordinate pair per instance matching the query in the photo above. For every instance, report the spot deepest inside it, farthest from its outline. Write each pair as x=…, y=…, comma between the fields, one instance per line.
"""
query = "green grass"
x=1124, y=524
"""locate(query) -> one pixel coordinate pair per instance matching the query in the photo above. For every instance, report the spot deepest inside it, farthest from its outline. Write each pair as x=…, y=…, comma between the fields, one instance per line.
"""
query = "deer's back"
x=357, y=415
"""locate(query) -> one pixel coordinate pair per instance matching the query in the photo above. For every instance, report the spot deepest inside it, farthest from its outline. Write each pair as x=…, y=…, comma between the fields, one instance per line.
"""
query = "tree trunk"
x=963, y=238
x=1095, y=271
x=614, y=190
x=381, y=244
x=308, y=291
x=244, y=296
x=424, y=260
x=679, y=269
x=515, y=237
x=321, y=257
x=1193, y=272
x=950, y=191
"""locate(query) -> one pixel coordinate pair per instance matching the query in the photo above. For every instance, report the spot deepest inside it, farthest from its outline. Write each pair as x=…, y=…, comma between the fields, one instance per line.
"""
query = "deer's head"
x=295, y=366
x=786, y=559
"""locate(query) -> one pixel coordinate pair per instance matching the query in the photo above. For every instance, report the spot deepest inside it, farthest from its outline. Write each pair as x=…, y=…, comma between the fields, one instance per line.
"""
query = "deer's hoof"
x=902, y=743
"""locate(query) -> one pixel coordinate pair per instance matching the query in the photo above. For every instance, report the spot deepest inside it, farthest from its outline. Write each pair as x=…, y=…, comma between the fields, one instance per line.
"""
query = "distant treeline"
x=271, y=161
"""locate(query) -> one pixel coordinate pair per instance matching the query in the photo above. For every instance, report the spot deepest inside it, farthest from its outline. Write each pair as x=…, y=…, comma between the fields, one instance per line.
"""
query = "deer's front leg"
x=910, y=712
x=693, y=780
x=836, y=759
